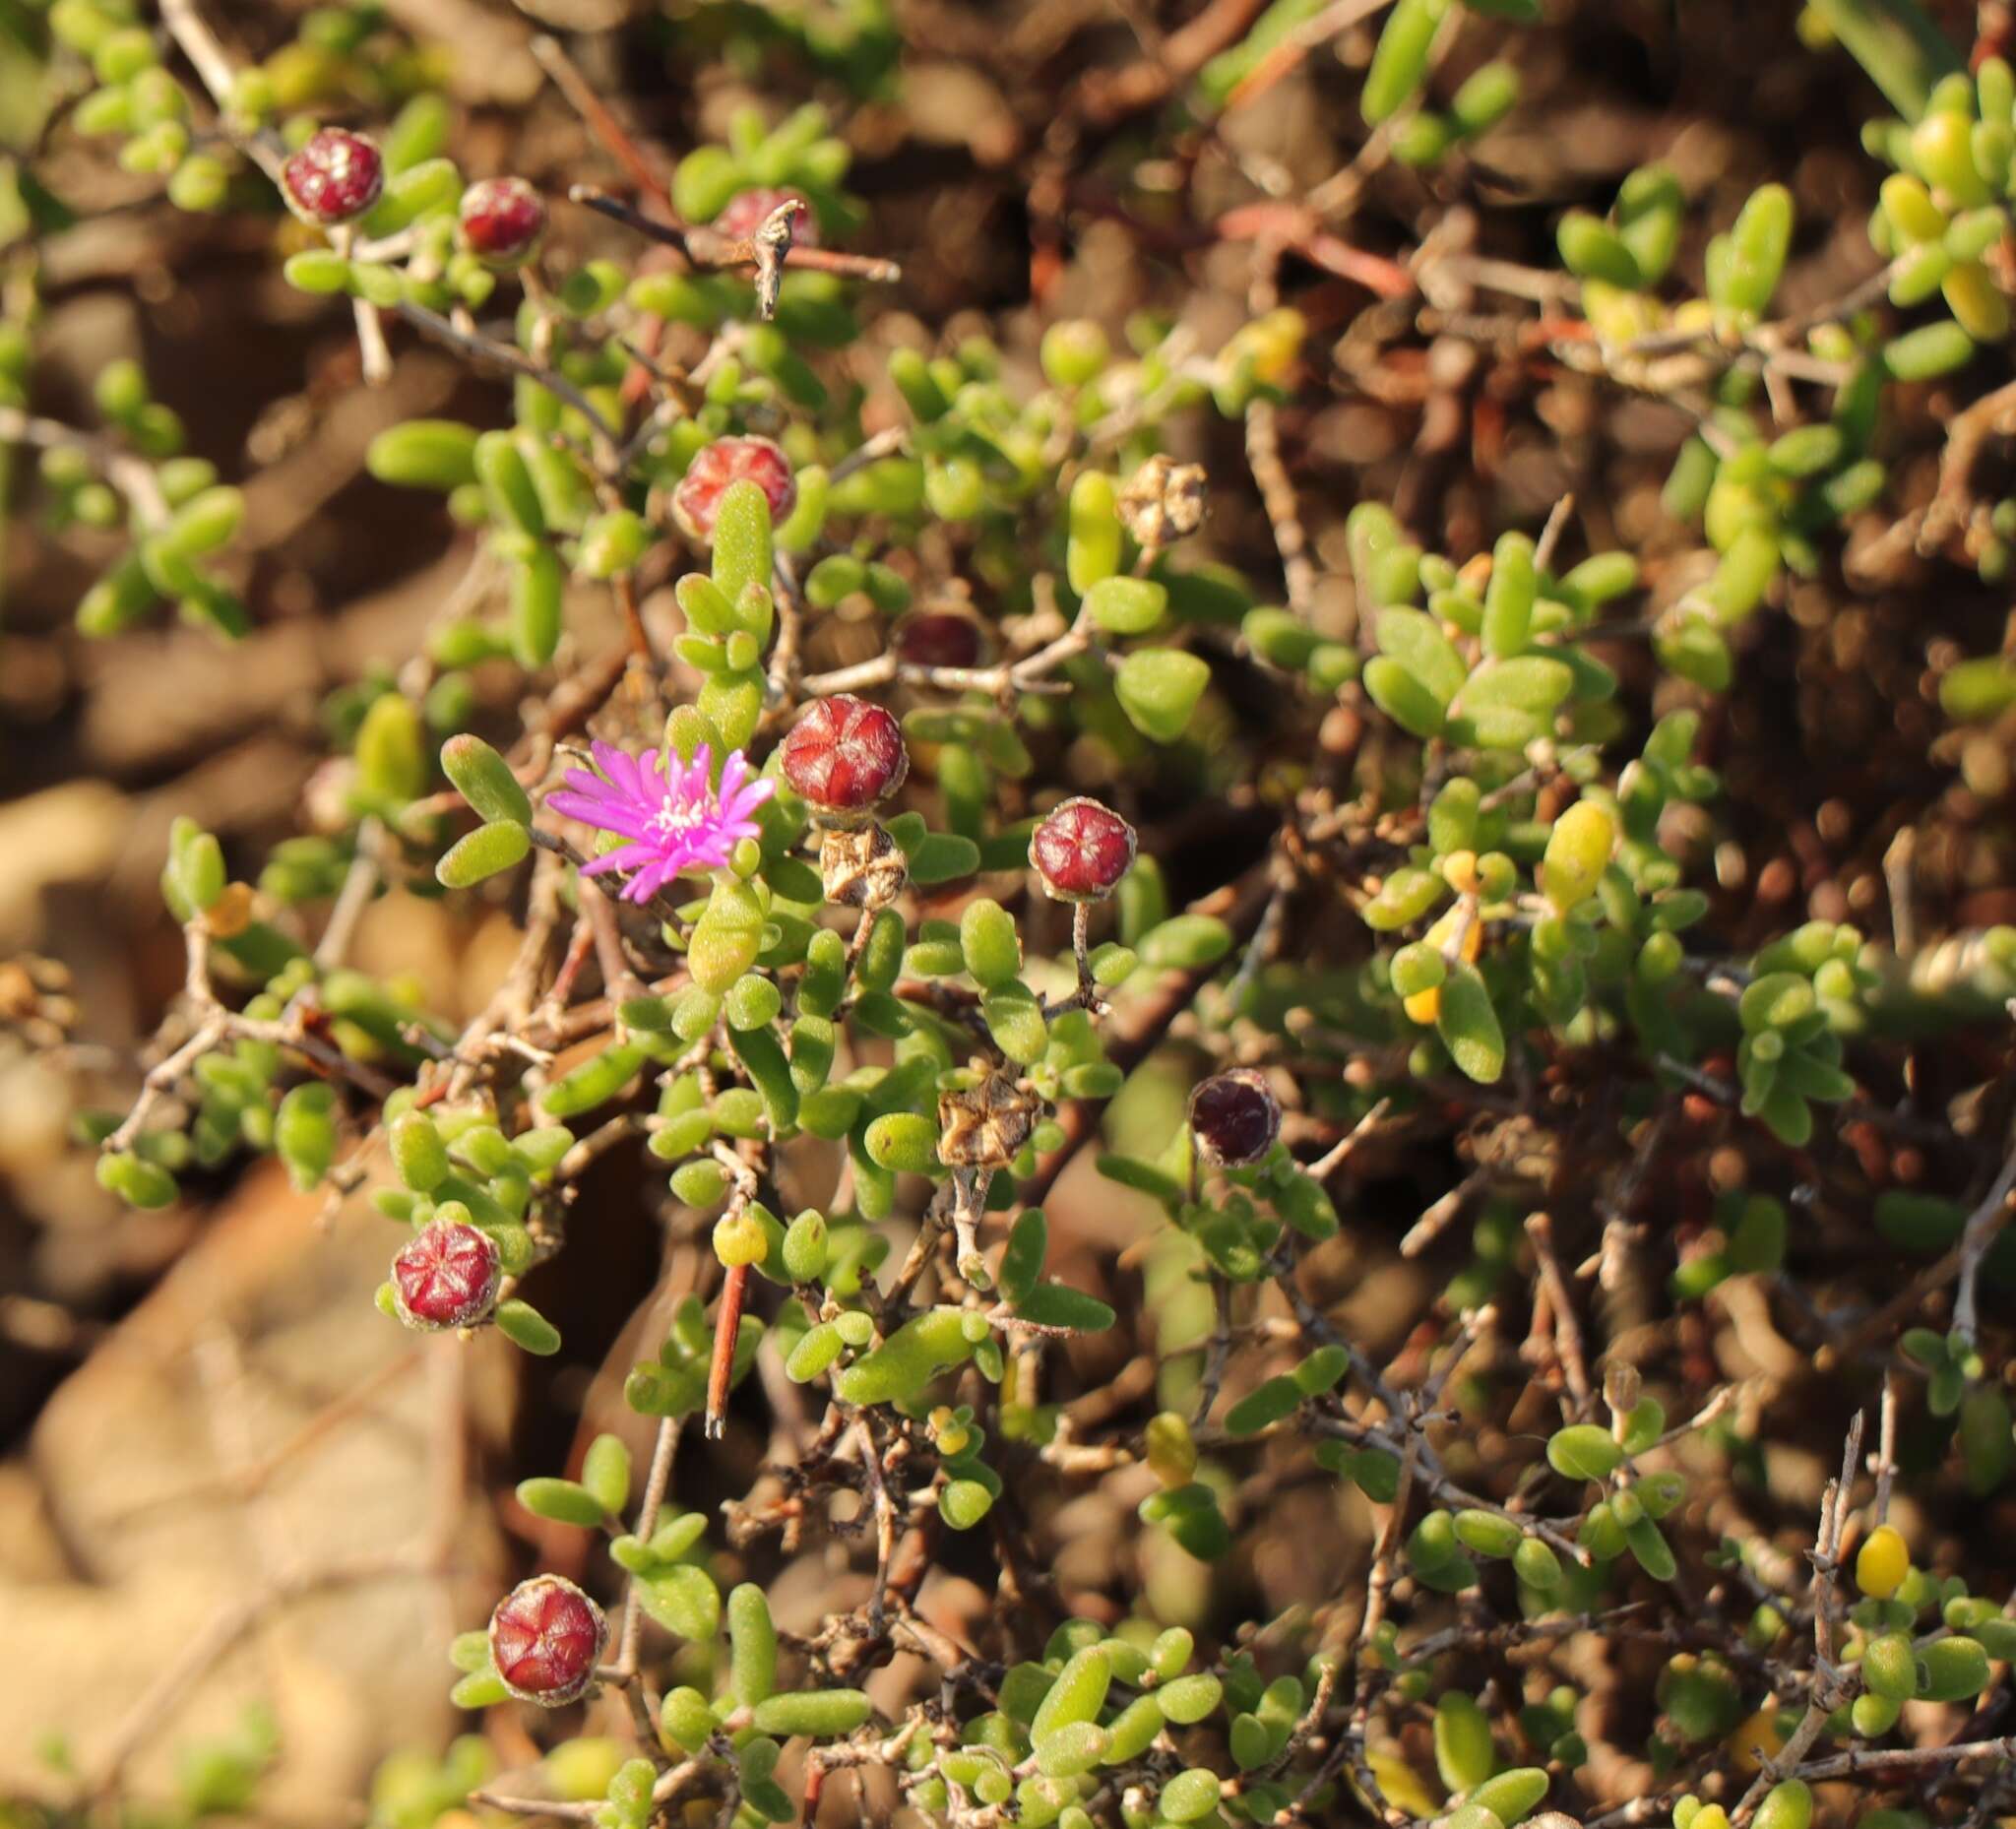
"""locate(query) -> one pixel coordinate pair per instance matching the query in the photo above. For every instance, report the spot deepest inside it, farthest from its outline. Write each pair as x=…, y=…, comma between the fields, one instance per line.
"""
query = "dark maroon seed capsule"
x=446, y=1276
x=747, y=211
x=1080, y=851
x=940, y=638
x=502, y=220
x=697, y=499
x=545, y=1639
x=334, y=178
x=1234, y=1117
x=845, y=754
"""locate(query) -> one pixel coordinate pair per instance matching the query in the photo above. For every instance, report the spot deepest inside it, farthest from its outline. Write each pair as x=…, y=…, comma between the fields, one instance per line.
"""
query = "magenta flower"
x=669, y=811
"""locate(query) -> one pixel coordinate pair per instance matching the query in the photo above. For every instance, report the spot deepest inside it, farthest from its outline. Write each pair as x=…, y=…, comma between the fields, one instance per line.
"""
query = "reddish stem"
x=727, y=1328
x=642, y=167
x=633, y=625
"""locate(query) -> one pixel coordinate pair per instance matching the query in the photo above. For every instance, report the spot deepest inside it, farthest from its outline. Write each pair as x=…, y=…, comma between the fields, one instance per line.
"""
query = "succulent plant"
x=1476, y=1034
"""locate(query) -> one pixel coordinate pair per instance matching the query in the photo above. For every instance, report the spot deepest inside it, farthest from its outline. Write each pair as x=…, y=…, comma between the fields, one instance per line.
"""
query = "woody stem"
x=969, y=1200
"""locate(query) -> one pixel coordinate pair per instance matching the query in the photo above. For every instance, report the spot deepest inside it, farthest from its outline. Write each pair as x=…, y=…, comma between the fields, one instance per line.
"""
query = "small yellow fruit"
x=739, y=1240
x=1459, y=872
x=231, y=914
x=1882, y=1563
x=1425, y=1005
x=1755, y=1740
x=1277, y=340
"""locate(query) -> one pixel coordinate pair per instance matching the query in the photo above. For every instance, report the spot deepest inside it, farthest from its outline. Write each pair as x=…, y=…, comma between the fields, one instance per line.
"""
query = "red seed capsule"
x=546, y=1637
x=940, y=638
x=1234, y=1117
x=1080, y=851
x=844, y=755
x=502, y=220
x=697, y=499
x=747, y=211
x=333, y=179
x=446, y=1276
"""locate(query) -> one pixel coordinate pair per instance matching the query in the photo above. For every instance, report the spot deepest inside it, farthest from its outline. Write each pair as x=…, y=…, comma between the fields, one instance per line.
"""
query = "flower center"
x=675, y=818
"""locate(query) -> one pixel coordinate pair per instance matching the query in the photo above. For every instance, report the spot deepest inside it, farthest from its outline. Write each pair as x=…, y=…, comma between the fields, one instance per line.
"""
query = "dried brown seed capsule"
x=1234, y=1117
x=861, y=867
x=985, y=1128
x=1163, y=501
x=546, y=1637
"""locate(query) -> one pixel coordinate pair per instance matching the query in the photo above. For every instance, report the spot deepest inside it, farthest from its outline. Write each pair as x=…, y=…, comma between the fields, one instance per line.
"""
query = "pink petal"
x=645, y=883
x=622, y=771
x=631, y=821
x=577, y=806
x=748, y=797
x=623, y=857
x=582, y=782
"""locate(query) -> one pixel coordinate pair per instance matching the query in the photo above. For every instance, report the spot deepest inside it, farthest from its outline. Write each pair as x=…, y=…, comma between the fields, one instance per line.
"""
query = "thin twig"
x=1978, y=1233
x=133, y=477
x=479, y=348
x=704, y=247
x=1539, y=1230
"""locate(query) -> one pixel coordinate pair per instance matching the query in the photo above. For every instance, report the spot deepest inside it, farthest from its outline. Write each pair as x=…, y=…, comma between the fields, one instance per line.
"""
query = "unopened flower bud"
x=696, y=501
x=333, y=179
x=446, y=1276
x=1080, y=851
x=546, y=1637
x=845, y=754
x=502, y=222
